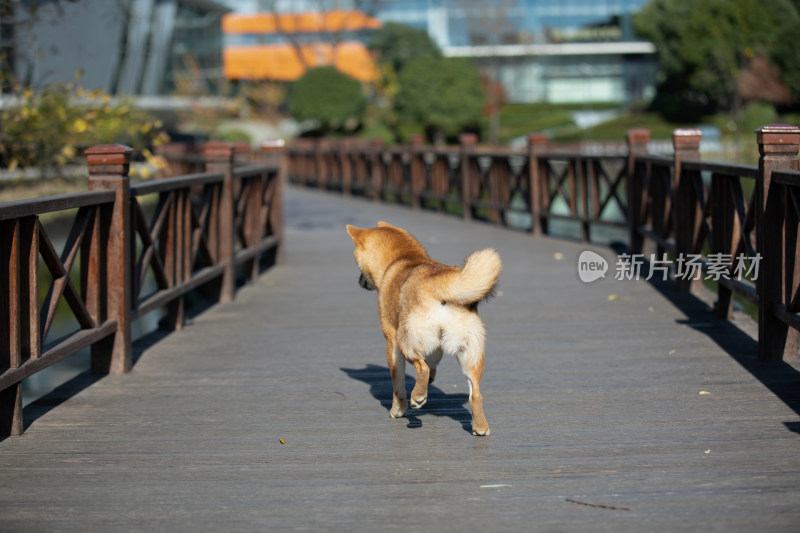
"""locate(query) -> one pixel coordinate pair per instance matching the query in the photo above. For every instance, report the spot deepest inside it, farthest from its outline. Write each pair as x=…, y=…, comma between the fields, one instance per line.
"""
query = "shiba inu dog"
x=426, y=309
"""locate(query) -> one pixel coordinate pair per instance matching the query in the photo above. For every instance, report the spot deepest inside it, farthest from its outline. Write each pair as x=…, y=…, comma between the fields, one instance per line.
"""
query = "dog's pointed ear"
x=383, y=224
x=355, y=233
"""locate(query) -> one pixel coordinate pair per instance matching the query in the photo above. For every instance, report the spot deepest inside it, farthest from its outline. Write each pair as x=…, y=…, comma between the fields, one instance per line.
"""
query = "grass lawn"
x=517, y=120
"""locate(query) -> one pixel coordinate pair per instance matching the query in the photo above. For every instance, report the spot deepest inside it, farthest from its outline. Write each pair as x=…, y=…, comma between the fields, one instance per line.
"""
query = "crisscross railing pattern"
x=590, y=189
x=125, y=256
x=180, y=244
x=26, y=318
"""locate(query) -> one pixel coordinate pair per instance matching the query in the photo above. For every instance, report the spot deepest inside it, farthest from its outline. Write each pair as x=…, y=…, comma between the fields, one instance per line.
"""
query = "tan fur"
x=426, y=309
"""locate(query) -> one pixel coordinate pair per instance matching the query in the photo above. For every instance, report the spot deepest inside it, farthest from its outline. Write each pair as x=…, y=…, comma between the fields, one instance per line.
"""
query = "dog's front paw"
x=416, y=403
x=481, y=431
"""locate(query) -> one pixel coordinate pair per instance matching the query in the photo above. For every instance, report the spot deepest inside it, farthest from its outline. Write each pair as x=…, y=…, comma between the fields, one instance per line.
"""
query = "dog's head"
x=361, y=238
x=377, y=248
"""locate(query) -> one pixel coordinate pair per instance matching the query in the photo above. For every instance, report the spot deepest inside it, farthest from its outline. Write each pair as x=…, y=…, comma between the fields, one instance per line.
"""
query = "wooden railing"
x=137, y=248
x=734, y=224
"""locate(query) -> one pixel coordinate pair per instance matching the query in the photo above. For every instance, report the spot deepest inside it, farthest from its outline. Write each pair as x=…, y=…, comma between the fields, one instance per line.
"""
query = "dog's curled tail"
x=475, y=281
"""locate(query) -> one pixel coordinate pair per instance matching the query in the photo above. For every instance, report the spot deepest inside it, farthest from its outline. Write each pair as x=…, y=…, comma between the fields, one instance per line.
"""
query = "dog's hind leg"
x=420, y=393
x=397, y=368
x=473, y=370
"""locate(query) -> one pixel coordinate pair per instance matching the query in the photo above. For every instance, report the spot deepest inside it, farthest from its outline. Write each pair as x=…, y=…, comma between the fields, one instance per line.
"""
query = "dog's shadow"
x=439, y=403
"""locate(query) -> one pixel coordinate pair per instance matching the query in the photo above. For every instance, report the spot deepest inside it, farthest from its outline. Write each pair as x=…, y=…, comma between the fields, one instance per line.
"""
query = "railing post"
x=688, y=213
x=241, y=153
x=417, y=169
x=108, y=170
x=322, y=147
x=376, y=166
x=219, y=158
x=537, y=143
x=777, y=145
x=468, y=142
x=345, y=149
x=10, y=330
x=175, y=154
x=272, y=149
x=637, y=140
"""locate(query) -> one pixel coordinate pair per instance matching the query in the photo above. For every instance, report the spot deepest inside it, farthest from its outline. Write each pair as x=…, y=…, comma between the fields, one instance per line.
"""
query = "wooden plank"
x=249, y=171
x=29, y=284
x=165, y=296
x=11, y=343
x=39, y=206
x=247, y=254
x=788, y=318
x=725, y=170
x=56, y=351
x=174, y=184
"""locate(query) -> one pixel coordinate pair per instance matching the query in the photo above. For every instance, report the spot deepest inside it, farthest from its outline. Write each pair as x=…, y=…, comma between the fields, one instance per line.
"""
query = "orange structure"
x=294, y=42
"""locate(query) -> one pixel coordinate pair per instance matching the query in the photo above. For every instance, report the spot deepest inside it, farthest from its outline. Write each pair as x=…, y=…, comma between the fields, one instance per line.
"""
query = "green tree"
x=443, y=95
x=397, y=44
x=324, y=94
x=786, y=53
x=703, y=47
x=393, y=45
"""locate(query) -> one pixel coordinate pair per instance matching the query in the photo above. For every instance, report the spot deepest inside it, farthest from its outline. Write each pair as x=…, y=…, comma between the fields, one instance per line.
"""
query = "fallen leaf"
x=707, y=452
x=558, y=256
x=283, y=441
x=704, y=393
x=671, y=352
x=613, y=297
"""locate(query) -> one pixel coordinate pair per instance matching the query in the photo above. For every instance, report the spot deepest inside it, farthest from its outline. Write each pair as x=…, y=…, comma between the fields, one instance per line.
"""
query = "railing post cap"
x=468, y=138
x=686, y=138
x=218, y=146
x=537, y=139
x=778, y=134
x=108, y=149
x=218, y=151
x=637, y=135
x=271, y=145
x=417, y=139
x=112, y=159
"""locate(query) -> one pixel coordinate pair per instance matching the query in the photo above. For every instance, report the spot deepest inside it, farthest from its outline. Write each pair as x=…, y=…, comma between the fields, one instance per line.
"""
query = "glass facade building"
x=557, y=51
x=125, y=47
x=541, y=50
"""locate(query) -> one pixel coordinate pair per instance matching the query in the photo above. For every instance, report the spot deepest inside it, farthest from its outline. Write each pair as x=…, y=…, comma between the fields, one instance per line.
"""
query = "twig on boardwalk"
x=597, y=505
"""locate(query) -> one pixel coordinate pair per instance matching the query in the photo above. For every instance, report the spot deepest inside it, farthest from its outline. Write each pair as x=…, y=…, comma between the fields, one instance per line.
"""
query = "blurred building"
x=124, y=47
x=554, y=51
x=281, y=46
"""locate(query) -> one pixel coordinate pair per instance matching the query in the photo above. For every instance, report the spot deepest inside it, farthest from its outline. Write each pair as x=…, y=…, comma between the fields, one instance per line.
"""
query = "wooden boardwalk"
x=271, y=413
